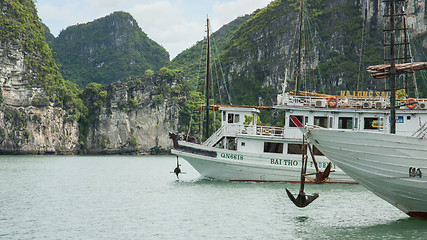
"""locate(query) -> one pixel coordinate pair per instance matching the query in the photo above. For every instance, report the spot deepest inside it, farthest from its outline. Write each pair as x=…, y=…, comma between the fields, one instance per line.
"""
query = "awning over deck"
x=383, y=70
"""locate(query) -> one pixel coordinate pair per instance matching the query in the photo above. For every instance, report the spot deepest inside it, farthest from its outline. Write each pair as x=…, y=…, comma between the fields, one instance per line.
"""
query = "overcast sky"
x=174, y=24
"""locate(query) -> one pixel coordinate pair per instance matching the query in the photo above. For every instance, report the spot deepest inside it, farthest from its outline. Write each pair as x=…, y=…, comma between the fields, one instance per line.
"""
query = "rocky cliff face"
x=335, y=51
x=136, y=116
x=40, y=113
x=30, y=123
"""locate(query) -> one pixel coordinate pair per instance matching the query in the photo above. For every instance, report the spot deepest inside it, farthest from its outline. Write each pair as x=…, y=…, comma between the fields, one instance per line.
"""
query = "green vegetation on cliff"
x=191, y=60
x=20, y=28
x=107, y=50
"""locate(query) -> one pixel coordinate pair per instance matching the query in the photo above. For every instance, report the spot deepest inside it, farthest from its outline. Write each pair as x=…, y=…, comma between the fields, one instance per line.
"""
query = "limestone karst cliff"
x=33, y=116
x=341, y=38
x=135, y=116
x=106, y=50
x=41, y=113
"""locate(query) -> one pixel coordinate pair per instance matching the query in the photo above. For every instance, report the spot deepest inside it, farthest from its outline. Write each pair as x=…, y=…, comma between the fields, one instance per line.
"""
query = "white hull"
x=230, y=165
x=381, y=163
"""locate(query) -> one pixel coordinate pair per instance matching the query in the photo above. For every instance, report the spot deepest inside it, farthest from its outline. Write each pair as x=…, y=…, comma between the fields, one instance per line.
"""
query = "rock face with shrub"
x=41, y=113
x=33, y=119
x=135, y=116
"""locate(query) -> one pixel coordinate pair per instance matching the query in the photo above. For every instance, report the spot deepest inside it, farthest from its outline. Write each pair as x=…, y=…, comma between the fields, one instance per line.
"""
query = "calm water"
x=135, y=197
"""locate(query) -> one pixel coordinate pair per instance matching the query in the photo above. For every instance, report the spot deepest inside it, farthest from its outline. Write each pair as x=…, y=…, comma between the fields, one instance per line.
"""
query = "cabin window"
x=233, y=118
x=408, y=117
x=331, y=121
x=243, y=144
x=381, y=124
x=237, y=118
x=300, y=118
x=295, y=148
x=224, y=116
x=345, y=123
x=230, y=118
x=321, y=121
x=272, y=147
x=371, y=123
x=231, y=143
x=316, y=151
x=356, y=121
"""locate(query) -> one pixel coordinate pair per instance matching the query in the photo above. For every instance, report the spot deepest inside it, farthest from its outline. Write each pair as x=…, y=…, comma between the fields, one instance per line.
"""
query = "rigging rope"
x=222, y=72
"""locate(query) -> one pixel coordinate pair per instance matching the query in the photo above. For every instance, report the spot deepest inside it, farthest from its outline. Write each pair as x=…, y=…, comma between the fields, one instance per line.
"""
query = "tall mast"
x=207, y=81
x=392, y=71
x=298, y=75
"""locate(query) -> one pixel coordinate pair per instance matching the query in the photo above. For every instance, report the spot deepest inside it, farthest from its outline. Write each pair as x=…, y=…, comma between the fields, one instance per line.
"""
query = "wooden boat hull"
x=380, y=162
x=228, y=165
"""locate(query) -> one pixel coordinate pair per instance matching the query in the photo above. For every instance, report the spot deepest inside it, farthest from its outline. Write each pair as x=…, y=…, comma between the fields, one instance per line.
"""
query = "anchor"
x=303, y=199
x=321, y=177
x=177, y=170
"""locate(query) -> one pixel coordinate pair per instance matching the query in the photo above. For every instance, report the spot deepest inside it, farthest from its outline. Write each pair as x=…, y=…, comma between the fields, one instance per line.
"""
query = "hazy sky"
x=174, y=24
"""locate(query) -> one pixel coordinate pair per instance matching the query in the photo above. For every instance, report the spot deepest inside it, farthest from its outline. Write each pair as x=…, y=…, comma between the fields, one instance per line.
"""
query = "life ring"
x=332, y=101
x=411, y=103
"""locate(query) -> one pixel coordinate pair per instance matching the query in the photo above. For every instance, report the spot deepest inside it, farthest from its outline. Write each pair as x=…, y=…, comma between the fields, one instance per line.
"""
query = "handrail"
x=213, y=138
x=343, y=102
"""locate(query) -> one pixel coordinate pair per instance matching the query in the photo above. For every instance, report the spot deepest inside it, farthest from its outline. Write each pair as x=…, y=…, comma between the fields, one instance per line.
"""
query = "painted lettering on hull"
x=232, y=156
x=283, y=162
x=322, y=165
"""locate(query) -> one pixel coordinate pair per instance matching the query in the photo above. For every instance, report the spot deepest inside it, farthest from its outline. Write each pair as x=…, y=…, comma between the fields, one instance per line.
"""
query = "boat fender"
x=411, y=103
x=332, y=101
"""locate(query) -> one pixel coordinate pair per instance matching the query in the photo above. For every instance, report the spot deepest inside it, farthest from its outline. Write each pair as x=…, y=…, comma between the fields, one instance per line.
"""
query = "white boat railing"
x=233, y=130
x=215, y=137
x=271, y=131
x=346, y=102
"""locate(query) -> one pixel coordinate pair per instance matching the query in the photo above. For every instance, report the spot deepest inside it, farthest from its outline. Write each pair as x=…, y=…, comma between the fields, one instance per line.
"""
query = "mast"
x=298, y=75
x=392, y=71
x=207, y=81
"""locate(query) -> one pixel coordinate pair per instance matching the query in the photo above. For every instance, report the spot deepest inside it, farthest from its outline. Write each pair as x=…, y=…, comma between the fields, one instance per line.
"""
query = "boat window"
x=331, y=121
x=370, y=123
x=345, y=123
x=321, y=121
x=300, y=118
x=233, y=118
x=230, y=118
x=381, y=124
x=224, y=116
x=408, y=117
x=272, y=147
x=243, y=143
x=316, y=151
x=231, y=143
x=356, y=121
x=294, y=148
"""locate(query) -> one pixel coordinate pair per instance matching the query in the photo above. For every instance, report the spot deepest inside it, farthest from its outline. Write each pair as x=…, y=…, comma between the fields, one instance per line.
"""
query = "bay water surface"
x=137, y=197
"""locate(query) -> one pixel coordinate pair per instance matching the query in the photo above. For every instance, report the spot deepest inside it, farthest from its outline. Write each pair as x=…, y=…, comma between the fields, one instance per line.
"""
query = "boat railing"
x=263, y=131
x=233, y=130
x=347, y=102
x=214, y=137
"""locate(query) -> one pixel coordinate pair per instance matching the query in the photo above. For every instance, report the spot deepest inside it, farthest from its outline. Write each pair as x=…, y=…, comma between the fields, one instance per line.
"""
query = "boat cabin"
x=241, y=131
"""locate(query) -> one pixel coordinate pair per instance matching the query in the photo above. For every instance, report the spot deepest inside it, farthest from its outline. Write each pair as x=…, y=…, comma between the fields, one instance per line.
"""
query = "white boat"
x=240, y=151
x=389, y=165
x=251, y=152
